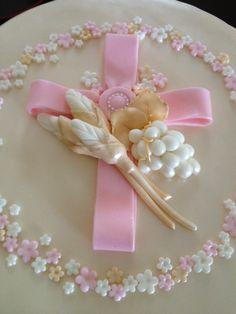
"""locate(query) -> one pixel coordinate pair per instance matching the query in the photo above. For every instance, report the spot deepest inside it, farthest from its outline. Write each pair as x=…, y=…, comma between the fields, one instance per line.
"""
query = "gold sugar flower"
x=56, y=273
x=115, y=275
x=26, y=58
x=2, y=235
x=85, y=35
x=223, y=58
x=179, y=275
x=145, y=72
x=132, y=28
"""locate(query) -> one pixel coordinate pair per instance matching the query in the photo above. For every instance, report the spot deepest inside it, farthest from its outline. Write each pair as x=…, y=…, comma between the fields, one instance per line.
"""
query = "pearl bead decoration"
x=157, y=148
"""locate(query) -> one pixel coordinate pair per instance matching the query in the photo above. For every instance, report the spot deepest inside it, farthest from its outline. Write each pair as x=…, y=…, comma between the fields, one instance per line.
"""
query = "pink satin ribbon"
x=115, y=207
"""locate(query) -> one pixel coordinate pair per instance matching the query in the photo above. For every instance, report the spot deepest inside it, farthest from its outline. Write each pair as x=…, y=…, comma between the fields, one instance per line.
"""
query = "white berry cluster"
x=157, y=148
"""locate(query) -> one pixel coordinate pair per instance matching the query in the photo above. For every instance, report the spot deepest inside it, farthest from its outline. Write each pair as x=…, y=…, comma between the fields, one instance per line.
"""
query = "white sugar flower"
x=45, y=240
x=53, y=59
x=11, y=260
x=146, y=84
x=14, y=210
x=18, y=69
x=137, y=20
x=228, y=204
x=202, y=262
x=3, y=203
x=225, y=250
x=5, y=85
x=1, y=144
x=159, y=34
x=39, y=58
x=52, y=47
x=53, y=37
x=168, y=28
x=13, y=229
x=89, y=79
x=233, y=95
x=147, y=282
x=187, y=40
x=102, y=287
x=39, y=265
x=141, y=35
x=28, y=50
x=72, y=267
x=164, y=264
x=224, y=237
x=130, y=284
x=208, y=57
x=106, y=27
x=76, y=30
x=228, y=71
x=79, y=43
x=69, y=288
x=18, y=83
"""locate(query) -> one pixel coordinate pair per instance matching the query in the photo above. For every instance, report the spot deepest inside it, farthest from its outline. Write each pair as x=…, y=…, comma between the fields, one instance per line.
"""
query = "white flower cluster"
x=156, y=148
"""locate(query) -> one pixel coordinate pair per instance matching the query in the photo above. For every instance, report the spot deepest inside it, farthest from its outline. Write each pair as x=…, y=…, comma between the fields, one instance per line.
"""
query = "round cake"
x=54, y=190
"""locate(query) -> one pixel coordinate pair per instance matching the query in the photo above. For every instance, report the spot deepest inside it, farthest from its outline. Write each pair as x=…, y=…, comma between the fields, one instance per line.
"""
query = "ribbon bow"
x=115, y=208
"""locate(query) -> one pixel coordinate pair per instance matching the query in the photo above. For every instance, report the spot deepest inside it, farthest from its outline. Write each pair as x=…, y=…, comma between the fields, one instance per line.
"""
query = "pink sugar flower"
x=217, y=66
x=28, y=250
x=230, y=225
x=90, y=25
x=166, y=282
x=5, y=74
x=3, y=221
x=1, y=102
x=96, y=32
x=210, y=248
x=177, y=44
x=65, y=40
x=186, y=263
x=230, y=82
x=41, y=48
x=159, y=80
x=117, y=292
x=120, y=28
x=97, y=88
x=53, y=256
x=197, y=49
x=146, y=28
x=87, y=279
x=10, y=244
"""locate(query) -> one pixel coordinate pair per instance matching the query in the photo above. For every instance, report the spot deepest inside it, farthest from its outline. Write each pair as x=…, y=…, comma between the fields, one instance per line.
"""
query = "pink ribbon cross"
x=115, y=206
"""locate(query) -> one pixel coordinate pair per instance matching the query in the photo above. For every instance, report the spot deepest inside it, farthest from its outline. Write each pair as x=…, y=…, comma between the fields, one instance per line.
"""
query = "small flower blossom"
x=187, y=40
x=41, y=48
x=145, y=72
x=177, y=44
x=130, y=284
x=159, y=80
x=106, y=27
x=5, y=74
x=1, y=104
x=179, y=275
x=52, y=47
x=28, y=250
x=56, y=273
x=186, y=263
x=168, y=28
x=10, y=245
x=217, y=66
x=89, y=79
x=65, y=40
x=53, y=37
x=3, y=221
x=147, y=282
x=115, y=275
x=53, y=256
x=208, y=57
x=146, y=84
x=223, y=58
x=202, y=262
x=76, y=30
x=146, y=28
x=14, y=210
x=228, y=71
x=225, y=250
x=18, y=83
x=120, y=28
x=18, y=69
x=1, y=140
x=164, y=264
x=28, y=50
x=87, y=279
x=141, y=35
x=85, y=35
x=230, y=82
x=210, y=248
x=5, y=85
x=96, y=32
x=26, y=59
x=228, y=204
x=11, y=260
x=166, y=282
x=230, y=225
x=132, y=28
x=69, y=288
x=3, y=203
x=102, y=287
x=117, y=292
x=39, y=265
x=233, y=96
x=90, y=25
x=159, y=34
x=53, y=58
x=137, y=20
x=2, y=235
x=72, y=267
x=45, y=240
x=79, y=43
x=197, y=49
x=39, y=58
x=13, y=229
x=97, y=88
x=224, y=237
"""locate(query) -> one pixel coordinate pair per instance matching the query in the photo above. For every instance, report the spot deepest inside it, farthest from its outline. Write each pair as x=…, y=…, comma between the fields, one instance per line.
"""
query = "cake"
x=54, y=189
